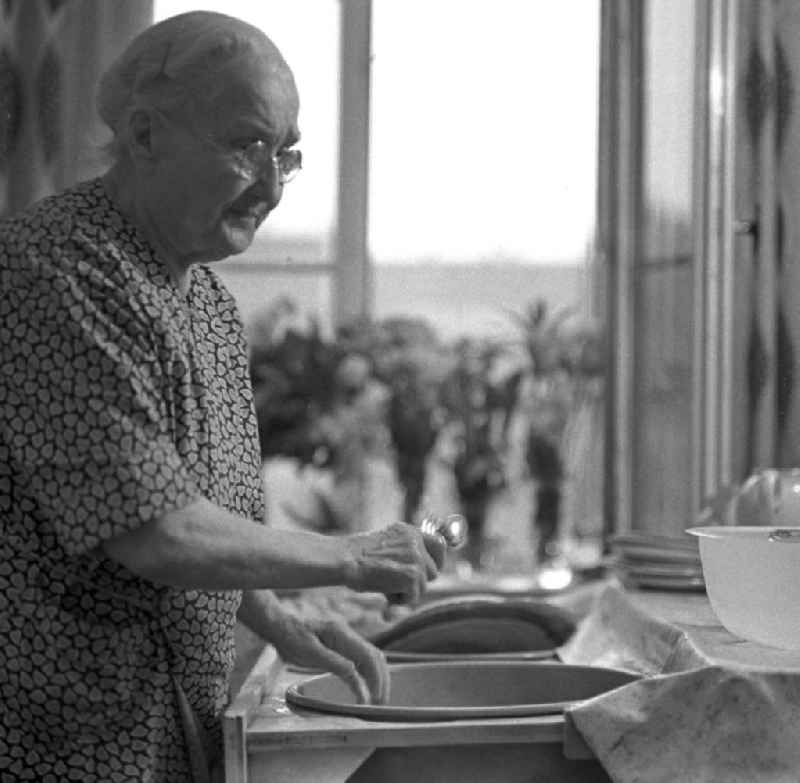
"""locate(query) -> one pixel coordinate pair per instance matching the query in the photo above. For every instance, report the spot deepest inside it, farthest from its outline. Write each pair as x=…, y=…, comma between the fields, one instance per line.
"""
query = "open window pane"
x=665, y=275
x=483, y=159
x=483, y=153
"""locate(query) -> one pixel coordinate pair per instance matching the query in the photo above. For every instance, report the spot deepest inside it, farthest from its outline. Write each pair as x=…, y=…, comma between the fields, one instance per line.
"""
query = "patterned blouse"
x=120, y=399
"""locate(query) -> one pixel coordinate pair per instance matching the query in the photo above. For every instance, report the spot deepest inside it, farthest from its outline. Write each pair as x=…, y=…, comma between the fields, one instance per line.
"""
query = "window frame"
x=349, y=268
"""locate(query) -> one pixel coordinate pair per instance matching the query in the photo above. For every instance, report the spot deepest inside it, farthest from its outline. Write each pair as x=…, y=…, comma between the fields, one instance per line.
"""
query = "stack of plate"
x=645, y=560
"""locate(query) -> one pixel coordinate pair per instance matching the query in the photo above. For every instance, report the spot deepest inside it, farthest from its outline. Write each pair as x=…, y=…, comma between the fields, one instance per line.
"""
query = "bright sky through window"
x=484, y=128
x=484, y=124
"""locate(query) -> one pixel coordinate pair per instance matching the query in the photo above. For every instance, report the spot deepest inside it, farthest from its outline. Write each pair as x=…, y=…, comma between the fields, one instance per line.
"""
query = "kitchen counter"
x=639, y=623
x=654, y=633
x=710, y=706
x=268, y=740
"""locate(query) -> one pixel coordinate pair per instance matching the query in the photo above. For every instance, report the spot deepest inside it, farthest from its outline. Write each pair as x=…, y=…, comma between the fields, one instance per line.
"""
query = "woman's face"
x=206, y=205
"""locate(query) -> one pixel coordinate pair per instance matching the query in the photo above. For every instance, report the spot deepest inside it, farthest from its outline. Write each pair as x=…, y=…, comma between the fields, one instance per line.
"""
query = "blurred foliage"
x=408, y=357
x=566, y=365
x=394, y=385
x=293, y=373
x=560, y=342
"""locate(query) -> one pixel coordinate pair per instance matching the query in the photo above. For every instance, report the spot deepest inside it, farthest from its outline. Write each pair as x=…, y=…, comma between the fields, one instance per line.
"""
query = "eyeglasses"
x=253, y=160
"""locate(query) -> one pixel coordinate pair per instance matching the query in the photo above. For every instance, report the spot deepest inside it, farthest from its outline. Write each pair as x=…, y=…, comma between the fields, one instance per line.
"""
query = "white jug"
x=770, y=497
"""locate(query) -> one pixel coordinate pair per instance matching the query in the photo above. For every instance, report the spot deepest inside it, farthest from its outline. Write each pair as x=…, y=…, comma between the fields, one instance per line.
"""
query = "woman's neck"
x=123, y=191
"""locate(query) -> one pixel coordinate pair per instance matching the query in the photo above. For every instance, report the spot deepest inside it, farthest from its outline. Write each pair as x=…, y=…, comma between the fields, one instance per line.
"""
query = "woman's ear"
x=140, y=135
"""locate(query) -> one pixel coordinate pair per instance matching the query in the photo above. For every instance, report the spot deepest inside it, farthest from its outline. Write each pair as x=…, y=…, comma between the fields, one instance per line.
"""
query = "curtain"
x=52, y=53
x=768, y=210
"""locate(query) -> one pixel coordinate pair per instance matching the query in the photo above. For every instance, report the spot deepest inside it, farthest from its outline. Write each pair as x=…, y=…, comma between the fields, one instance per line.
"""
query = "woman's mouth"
x=253, y=211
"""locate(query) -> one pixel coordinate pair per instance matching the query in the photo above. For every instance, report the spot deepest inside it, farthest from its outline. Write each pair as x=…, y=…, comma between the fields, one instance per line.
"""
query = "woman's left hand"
x=332, y=645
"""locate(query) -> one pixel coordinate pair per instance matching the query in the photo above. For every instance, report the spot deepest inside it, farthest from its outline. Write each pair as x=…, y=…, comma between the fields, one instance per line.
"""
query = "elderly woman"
x=130, y=496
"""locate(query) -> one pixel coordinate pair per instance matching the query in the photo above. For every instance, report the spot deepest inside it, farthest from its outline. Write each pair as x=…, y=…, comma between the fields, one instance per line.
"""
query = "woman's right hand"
x=397, y=561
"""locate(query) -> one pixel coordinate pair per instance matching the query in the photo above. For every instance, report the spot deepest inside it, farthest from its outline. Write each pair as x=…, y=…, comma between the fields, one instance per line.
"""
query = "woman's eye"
x=247, y=142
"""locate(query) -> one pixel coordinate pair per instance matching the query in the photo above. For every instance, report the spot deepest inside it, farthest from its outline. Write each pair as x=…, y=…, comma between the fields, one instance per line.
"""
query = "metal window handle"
x=745, y=227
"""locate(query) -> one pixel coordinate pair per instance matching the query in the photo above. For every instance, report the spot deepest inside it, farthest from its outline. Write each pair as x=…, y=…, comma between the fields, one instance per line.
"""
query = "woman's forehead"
x=254, y=91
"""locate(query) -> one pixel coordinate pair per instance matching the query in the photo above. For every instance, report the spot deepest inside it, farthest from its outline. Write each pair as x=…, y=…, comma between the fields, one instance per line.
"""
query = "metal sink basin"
x=477, y=627
x=453, y=690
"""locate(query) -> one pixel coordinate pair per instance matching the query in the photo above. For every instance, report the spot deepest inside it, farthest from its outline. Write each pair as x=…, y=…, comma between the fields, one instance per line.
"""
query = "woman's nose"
x=268, y=186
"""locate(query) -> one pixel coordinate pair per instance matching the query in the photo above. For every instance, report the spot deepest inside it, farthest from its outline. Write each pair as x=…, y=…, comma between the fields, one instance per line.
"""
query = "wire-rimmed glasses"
x=253, y=159
x=256, y=157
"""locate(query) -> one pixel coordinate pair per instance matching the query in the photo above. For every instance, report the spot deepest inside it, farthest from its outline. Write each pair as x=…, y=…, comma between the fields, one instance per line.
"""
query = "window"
x=483, y=129
x=460, y=187
x=483, y=155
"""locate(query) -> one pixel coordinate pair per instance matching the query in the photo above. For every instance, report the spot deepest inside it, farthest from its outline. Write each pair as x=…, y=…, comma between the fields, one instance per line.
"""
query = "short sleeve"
x=82, y=409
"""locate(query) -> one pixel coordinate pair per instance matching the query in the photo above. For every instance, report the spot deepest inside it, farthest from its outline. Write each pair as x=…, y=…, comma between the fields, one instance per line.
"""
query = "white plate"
x=653, y=551
x=677, y=584
x=645, y=569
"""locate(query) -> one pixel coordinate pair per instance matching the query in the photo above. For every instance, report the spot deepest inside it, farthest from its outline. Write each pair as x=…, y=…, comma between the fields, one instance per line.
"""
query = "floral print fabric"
x=120, y=399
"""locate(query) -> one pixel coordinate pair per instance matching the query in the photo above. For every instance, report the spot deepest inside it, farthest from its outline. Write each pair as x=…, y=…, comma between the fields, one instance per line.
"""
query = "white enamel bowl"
x=752, y=577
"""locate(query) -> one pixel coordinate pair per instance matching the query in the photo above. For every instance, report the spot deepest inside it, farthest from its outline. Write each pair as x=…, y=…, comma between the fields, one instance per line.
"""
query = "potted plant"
x=566, y=367
x=478, y=410
x=317, y=405
x=409, y=360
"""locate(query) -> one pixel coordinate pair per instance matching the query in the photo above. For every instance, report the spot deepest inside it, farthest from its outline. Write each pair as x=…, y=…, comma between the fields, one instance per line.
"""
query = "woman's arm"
x=202, y=546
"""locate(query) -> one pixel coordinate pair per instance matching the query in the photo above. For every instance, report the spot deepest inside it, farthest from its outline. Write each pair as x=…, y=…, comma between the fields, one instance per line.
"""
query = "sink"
x=290, y=727
x=477, y=627
x=455, y=690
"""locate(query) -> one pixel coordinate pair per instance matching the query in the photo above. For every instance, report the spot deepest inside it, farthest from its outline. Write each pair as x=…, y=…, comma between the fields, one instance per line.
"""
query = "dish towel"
x=690, y=718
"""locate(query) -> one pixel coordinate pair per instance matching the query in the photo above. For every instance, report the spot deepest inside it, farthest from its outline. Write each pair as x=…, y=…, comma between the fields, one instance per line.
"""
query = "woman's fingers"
x=360, y=664
x=346, y=670
x=436, y=548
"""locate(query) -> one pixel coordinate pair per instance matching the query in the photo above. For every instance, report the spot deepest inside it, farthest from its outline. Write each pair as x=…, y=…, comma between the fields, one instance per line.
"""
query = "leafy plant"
x=479, y=410
x=409, y=359
x=324, y=401
x=566, y=362
x=293, y=375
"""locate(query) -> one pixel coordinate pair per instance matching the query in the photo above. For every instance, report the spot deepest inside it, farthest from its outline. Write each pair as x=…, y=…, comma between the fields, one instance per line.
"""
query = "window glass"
x=258, y=291
x=483, y=153
x=665, y=274
x=669, y=127
x=483, y=158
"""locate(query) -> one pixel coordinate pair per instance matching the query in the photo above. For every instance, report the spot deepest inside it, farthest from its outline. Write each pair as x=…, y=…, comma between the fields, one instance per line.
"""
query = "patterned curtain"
x=768, y=200
x=52, y=53
x=787, y=151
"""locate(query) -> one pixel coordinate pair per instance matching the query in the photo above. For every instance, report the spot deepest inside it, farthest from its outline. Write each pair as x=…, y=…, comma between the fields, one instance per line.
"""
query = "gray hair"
x=169, y=65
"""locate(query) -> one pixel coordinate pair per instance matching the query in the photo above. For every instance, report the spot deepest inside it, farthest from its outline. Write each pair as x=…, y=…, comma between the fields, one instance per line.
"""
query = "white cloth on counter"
x=695, y=715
